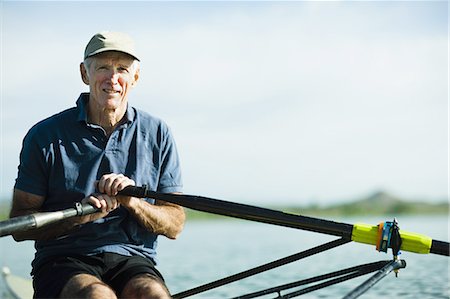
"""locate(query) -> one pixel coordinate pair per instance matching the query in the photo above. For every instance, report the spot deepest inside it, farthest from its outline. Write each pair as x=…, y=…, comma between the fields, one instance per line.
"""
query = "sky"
x=269, y=102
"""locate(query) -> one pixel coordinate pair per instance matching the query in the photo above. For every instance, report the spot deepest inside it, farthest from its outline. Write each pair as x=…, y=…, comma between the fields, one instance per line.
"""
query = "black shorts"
x=113, y=269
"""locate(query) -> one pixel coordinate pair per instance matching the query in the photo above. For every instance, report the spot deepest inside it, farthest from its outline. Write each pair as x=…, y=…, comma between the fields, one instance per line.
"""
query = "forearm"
x=161, y=218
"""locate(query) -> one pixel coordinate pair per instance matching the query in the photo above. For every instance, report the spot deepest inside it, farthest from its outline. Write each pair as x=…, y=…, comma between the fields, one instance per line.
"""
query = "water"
x=209, y=250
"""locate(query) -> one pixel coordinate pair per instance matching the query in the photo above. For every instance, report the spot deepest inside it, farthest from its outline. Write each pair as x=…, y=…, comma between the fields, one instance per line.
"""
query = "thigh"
x=49, y=279
x=145, y=286
x=126, y=268
x=86, y=286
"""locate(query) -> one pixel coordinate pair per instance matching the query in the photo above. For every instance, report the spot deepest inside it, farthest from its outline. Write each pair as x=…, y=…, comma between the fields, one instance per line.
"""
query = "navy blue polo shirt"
x=63, y=155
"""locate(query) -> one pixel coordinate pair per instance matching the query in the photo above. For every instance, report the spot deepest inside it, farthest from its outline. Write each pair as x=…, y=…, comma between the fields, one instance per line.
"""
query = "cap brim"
x=111, y=50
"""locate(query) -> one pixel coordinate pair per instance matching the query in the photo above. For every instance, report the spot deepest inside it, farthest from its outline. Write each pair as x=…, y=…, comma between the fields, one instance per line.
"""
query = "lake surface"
x=210, y=250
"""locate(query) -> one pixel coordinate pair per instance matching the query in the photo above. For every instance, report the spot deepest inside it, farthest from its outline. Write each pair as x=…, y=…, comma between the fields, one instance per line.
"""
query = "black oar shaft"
x=247, y=212
x=440, y=247
x=253, y=213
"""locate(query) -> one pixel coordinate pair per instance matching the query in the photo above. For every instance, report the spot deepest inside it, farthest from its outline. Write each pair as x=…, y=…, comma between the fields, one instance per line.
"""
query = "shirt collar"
x=82, y=102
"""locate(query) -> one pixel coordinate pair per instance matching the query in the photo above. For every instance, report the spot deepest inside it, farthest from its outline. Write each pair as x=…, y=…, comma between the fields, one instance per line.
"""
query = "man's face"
x=110, y=77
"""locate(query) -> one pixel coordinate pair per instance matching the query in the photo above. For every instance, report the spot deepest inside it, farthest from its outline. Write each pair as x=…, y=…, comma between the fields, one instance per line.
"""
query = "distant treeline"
x=352, y=209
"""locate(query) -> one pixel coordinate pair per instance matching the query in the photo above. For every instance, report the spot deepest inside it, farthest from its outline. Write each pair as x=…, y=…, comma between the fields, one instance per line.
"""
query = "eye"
x=122, y=69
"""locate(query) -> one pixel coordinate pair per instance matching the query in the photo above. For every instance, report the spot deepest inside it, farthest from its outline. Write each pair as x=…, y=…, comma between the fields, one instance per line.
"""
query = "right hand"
x=104, y=202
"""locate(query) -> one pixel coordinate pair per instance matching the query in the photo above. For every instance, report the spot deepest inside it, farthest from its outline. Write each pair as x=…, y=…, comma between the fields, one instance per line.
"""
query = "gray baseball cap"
x=110, y=41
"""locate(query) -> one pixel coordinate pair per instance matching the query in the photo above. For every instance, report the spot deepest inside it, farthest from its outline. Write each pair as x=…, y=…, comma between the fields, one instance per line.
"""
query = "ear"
x=136, y=77
x=84, y=75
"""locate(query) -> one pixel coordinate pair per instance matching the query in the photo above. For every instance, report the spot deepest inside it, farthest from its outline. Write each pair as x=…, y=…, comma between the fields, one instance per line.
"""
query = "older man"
x=89, y=153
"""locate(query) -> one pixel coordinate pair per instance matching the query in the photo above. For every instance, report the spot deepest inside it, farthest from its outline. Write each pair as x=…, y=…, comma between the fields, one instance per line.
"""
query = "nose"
x=113, y=76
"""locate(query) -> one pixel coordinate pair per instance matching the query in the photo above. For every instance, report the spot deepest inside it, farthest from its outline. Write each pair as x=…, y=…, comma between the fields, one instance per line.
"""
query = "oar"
x=361, y=233
x=37, y=220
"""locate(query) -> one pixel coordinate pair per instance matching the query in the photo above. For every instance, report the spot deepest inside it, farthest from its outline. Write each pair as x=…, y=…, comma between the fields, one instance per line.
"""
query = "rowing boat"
x=16, y=287
x=384, y=236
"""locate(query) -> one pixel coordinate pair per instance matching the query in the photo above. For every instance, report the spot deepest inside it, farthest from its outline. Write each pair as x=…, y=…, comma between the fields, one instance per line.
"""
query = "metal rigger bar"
x=388, y=268
x=329, y=279
x=262, y=268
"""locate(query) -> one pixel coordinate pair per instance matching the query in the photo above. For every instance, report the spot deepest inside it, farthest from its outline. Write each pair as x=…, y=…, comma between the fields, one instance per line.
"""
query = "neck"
x=108, y=119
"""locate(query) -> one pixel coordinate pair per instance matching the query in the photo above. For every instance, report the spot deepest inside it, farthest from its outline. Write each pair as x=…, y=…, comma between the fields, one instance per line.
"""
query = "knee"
x=145, y=287
x=94, y=290
x=97, y=290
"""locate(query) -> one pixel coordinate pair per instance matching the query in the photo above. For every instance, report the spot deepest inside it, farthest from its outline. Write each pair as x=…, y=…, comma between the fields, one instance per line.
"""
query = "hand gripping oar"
x=37, y=220
x=361, y=233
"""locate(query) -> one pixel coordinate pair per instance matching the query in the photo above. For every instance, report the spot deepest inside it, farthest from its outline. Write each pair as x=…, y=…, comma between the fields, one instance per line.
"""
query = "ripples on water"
x=211, y=250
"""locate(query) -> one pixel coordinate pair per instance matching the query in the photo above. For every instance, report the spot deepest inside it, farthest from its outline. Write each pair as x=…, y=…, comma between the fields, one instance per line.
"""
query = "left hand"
x=111, y=184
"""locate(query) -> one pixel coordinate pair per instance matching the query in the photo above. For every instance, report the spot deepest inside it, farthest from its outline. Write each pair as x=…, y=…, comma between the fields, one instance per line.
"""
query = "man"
x=89, y=153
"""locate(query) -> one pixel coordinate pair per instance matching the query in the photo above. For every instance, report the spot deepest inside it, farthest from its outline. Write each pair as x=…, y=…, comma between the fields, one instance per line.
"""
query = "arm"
x=162, y=218
x=25, y=203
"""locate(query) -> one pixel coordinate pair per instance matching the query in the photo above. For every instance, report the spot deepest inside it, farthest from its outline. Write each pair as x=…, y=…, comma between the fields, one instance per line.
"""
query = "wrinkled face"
x=110, y=76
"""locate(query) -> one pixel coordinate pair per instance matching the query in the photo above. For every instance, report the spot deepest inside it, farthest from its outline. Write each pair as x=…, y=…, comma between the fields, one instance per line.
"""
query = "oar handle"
x=37, y=220
x=15, y=224
x=85, y=209
x=136, y=191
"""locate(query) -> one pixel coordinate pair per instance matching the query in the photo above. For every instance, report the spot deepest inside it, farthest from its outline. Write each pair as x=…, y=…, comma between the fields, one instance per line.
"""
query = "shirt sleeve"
x=32, y=172
x=170, y=175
